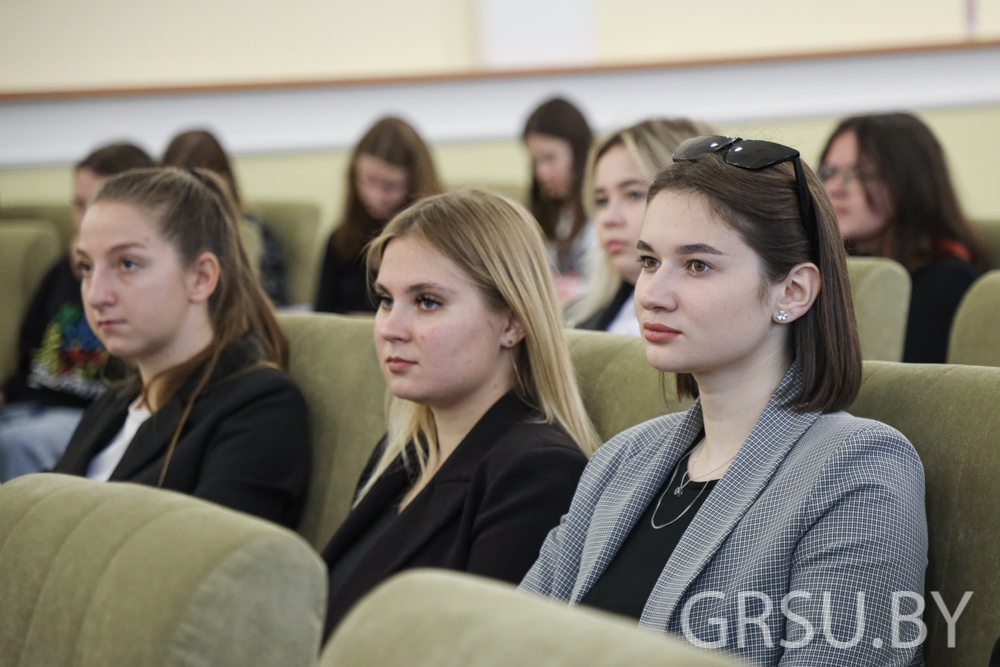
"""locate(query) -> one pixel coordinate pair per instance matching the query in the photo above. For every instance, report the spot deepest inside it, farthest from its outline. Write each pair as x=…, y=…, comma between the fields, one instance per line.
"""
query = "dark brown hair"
x=200, y=149
x=762, y=207
x=899, y=151
x=115, y=158
x=194, y=215
x=560, y=119
x=396, y=142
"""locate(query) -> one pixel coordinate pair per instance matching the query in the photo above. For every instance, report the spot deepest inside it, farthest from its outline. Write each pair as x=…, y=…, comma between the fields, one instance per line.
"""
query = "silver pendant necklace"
x=685, y=480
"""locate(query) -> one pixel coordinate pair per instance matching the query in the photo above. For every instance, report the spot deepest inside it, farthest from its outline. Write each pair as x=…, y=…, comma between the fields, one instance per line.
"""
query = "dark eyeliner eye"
x=428, y=303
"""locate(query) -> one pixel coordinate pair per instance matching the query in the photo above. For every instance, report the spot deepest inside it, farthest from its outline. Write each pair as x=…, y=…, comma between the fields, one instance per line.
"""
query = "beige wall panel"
x=965, y=133
x=652, y=30
x=54, y=44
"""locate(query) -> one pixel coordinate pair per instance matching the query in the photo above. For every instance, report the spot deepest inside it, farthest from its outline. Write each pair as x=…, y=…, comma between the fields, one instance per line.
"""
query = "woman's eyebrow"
x=698, y=249
x=645, y=247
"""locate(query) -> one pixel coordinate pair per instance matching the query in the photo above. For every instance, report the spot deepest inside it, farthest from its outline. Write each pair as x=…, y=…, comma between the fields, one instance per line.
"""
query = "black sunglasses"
x=755, y=155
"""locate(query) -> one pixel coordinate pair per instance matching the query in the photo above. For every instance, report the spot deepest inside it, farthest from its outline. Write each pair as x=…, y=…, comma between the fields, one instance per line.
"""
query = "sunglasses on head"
x=756, y=155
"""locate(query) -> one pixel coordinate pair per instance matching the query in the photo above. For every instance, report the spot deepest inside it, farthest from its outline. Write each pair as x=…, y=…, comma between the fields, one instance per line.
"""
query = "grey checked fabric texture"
x=829, y=506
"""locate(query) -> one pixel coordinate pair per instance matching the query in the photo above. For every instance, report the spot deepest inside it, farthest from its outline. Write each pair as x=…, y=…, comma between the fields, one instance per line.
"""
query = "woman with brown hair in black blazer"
x=208, y=410
x=487, y=432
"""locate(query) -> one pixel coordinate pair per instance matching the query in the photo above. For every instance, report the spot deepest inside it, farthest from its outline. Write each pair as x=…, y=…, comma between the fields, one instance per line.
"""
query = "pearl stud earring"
x=782, y=316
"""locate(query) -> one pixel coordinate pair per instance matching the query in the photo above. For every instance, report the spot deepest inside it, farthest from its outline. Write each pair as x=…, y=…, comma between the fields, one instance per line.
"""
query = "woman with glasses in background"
x=752, y=521
x=390, y=169
x=888, y=180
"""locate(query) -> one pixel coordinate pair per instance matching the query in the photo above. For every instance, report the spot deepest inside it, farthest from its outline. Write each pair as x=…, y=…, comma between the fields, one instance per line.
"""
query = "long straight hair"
x=498, y=246
x=394, y=141
x=651, y=144
x=195, y=214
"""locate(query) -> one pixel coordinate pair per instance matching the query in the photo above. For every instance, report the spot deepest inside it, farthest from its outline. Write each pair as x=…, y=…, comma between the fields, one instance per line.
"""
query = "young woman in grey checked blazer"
x=764, y=520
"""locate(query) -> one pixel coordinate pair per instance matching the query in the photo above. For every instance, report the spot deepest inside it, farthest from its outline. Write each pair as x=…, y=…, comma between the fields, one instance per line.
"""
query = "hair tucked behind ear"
x=762, y=207
x=195, y=214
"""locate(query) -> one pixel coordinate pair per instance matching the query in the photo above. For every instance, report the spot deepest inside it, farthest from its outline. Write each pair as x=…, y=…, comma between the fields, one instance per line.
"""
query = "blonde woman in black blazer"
x=207, y=411
x=487, y=432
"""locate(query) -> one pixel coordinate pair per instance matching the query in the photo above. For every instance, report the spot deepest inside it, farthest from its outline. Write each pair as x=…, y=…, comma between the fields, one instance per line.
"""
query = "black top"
x=343, y=285
x=995, y=656
x=60, y=360
x=486, y=511
x=245, y=444
x=629, y=579
x=938, y=288
x=602, y=319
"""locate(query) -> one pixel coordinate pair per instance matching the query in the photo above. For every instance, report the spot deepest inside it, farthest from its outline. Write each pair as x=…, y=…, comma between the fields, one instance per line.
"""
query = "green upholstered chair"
x=297, y=226
x=96, y=574
x=61, y=215
x=28, y=249
x=951, y=415
x=990, y=232
x=253, y=244
x=424, y=618
x=975, y=331
x=880, y=289
x=334, y=363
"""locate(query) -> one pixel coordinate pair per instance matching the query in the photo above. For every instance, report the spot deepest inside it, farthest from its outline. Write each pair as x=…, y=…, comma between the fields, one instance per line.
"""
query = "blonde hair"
x=651, y=144
x=499, y=247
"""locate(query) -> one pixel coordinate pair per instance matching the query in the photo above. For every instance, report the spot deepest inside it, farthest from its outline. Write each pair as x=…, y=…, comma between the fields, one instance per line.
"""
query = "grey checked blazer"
x=816, y=504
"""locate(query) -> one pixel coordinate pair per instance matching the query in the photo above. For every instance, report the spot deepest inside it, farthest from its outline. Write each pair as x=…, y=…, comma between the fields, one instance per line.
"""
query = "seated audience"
x=888, y=180
x=60, y=361
x=487, y=433
x=756, y=520
x=207, y=409
x=200, y=149
x=619, y=172
x=558, y=138
x=390, y=169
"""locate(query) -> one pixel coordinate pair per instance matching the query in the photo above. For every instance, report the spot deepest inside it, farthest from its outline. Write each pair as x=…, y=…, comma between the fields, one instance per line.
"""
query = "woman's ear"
x=203, y=277
x=513, y=332
x=795, y=295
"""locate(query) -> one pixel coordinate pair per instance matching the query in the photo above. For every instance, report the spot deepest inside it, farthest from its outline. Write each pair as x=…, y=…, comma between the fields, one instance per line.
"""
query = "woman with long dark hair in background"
x=889, y=183
x=558, y=139
x=390, y=169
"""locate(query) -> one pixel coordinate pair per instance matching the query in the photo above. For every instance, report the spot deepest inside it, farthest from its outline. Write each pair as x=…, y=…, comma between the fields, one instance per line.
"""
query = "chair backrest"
x=96, y=574
x=297, y=226
x=28, y=249
x=60, y=215
x=975, y=331
x=423, y=618
x=990, y=232
x=950, y=414
x=880, y=289
x=253, y=244
x=333, y=361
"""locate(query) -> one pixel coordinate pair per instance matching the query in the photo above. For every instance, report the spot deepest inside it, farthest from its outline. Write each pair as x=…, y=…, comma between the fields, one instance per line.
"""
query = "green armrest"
x=975, y=331
x=96, y=574
x=58, y=214
x=423, y=617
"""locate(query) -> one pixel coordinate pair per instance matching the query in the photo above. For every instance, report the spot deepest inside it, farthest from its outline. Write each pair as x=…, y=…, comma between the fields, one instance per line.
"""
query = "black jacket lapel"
x=94, y=433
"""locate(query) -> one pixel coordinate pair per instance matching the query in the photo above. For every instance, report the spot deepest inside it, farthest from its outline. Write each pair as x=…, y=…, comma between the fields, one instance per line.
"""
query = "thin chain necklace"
x=680, y=490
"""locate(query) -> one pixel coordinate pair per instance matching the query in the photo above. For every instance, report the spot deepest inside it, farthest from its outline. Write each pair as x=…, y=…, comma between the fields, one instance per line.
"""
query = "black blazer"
x=486, y=511
x=245, y=444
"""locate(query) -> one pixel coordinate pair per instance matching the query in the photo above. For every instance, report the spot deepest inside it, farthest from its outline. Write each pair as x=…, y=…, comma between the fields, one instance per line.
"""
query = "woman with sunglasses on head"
x=888, y=180
x=752, y=521
x=208, y=409
x=487, y=434
x=619, y=172
x=390, y=169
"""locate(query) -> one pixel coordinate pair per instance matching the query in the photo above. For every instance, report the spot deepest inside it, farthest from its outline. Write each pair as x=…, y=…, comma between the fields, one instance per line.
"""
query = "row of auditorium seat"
x=98, y=574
